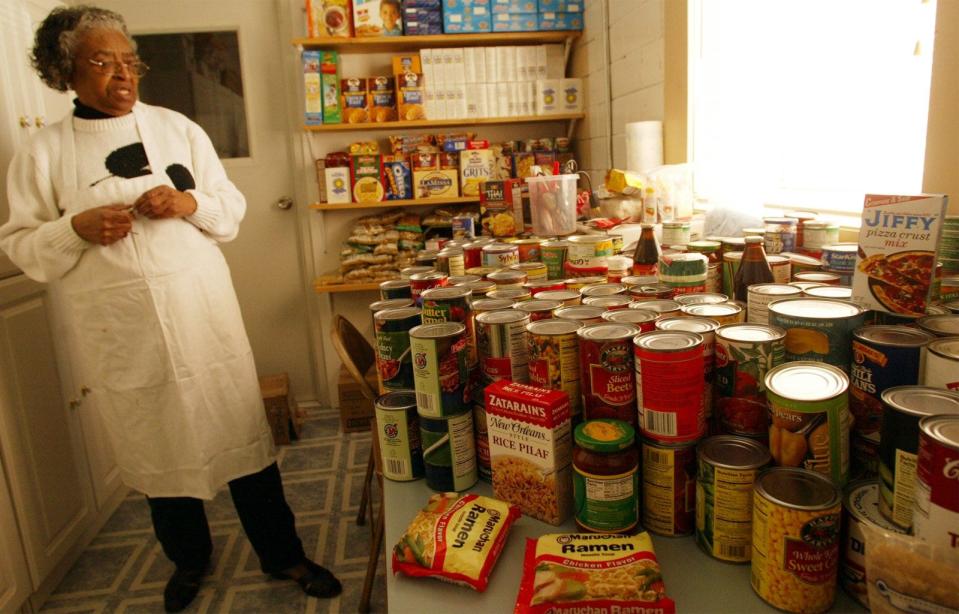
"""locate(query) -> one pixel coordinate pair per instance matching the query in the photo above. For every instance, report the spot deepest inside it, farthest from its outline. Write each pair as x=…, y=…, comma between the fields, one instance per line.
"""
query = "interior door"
x=265, y=258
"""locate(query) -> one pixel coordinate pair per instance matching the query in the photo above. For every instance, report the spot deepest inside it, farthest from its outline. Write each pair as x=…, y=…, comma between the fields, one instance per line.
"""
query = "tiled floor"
x=124, y=569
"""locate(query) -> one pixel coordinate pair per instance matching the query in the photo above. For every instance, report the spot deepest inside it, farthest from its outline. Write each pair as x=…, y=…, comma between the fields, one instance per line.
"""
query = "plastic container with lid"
x=605, y=476
x=553, y=204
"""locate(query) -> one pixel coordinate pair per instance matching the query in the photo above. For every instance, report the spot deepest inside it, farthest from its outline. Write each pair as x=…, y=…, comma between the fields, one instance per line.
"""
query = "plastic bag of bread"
x=906, y=575
x=591, y=572
x=455, y=538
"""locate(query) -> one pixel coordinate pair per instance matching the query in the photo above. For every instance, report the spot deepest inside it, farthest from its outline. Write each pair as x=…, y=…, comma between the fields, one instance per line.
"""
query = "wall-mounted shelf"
x=416, y=202
x=403, y=43
x=435, y=123
x=327, y=288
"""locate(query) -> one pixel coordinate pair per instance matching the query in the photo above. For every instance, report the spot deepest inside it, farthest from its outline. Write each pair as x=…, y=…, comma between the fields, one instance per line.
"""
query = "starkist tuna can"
x=817, y=329
x=670, y=387
x=607, y=377
x=398, y=431
x=441, y=370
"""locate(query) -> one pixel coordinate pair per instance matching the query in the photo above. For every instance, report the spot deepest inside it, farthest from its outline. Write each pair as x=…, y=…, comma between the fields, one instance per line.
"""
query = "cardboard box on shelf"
x=356, y=411
x=560, y=21
x=563, y=6
x=377, y=18
x=281, y=411
x=328, y=18
x=330, y=86
x=313, y=99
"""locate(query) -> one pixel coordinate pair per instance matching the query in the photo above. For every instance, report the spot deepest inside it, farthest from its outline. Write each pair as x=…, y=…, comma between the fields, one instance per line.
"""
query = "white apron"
x=164, y=352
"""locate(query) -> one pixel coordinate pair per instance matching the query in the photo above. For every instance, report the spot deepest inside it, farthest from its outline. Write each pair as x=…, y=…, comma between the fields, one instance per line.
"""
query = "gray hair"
x=58, y=36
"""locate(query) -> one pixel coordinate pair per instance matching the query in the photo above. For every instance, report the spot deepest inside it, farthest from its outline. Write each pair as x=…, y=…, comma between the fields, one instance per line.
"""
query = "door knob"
x=39, y=121
x=284, y=203
x=24, y=121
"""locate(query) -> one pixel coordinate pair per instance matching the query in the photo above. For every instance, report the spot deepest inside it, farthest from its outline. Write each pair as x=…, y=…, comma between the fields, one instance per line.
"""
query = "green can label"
x=400, y=445
x=554, y=258
x=441, y=375
x=449, y=454
x=811, y=434
x=724, y=511
x=393, y=360
x=606, y=502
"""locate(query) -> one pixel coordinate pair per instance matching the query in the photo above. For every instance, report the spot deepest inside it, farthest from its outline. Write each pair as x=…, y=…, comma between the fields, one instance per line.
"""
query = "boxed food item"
x=338, y=186
x=313, y=98
x=898, y=251
x=408, y=62
x=377, y=18
x=354, y=105
x=328, y=18
x=514, y=22
x=397, y=177
x=431, y=181
x=419, y=20
x=466, y=23
x=501, y=207
x=523, y=162
x=356, y=411
x=321, y=179
x=560, y=21
x=531, y=449
x=514, y=6
x=409, y=96
x=476, y=166
x=382, y=98
x=330, y=86
x=367, y=178
x=548, y=96
x=562, y=6
x=571, y=100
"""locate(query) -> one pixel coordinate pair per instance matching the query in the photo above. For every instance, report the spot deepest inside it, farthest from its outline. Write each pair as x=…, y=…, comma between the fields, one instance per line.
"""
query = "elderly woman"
x=120, y=207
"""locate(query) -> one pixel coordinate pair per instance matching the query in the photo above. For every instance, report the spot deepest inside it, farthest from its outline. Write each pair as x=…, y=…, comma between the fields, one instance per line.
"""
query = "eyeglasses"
x=111, y=67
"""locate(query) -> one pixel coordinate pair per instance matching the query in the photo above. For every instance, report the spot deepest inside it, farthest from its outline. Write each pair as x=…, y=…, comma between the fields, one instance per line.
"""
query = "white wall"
x=635, y=77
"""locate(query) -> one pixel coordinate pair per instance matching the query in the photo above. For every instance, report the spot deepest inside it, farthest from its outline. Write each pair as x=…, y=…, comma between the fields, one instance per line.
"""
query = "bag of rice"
x=455, y=538
x=591, y=572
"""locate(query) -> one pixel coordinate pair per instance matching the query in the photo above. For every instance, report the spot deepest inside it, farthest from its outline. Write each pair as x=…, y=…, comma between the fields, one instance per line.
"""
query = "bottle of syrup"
x=646, y=256
x=753, y=270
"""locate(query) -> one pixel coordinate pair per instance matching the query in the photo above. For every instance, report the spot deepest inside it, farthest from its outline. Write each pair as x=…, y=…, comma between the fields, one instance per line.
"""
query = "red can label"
x=669, y=393
x=472, y=257
x=669, y=489
x=741, y=368
x=418, y=286
x=936, y=519
x=814, y=557
x=608, y=380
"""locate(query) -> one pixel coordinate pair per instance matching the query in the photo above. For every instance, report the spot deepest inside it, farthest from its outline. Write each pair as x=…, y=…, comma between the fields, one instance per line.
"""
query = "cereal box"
x=531, y=448
x=407, y=63
x=354, y=101
x=313, y=99
x=898, y=250
x=330, y=86
x=501, y=207
x=377, y=18
x=476, y=166
x=328, y=18
x=367, y=178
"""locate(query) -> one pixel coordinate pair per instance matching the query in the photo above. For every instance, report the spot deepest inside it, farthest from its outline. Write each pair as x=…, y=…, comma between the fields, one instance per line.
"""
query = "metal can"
x=535, y=287
x=618, y=267
x=426, y=257
x=802, y=264
x=508, y=278
x=638, y=280
x=796, y=527
x=480, y=287
x=670, y=388
x=731, y=264
x=553, y=254
x=825, y=278
x=606, y=376
x=553, y=349
x=462, y=280
x=705, y=328
x=501, y=340
x=817, y=329
x=760, y=295
x=809, y=418
x=490, y=304
x=538, y=309
x=514, y=295
x=608, y=303
x=421, y=282
x=701, y=298
x=394, y=362
x=669, y=488
x=578, y=283
x=398, y=432
x=529, y=250
x=586, y=255
x=644, y=320
x=840, y=256
x=723, y=313
x=940, y=325
x=842, y=293
x=500, y=255
x=584, y=314
x=407, y=272
x=780, y=234
x=390, y=303
x=450, y=261
x=781, y=269
x=473, y=254
x=664, y=307
x=449, y=451
x=441, y=370
x=816, y=234
x=676, y=233
x=395, y=288
x=450, y=304
x=566, y=297
x=484, y=465
x=860, y=508
x=606, y=289
x=745, y=353
x=685, y=273
x=648, y=291
x=727, y=467
x=937, y=498
x=534, y=271
x=941, y=364
x=903, y=407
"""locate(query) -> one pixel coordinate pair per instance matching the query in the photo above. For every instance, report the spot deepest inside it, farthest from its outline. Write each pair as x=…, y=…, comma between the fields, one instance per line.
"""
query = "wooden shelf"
x=322, y=288
x=415, y=202
x=400, y=43
x=435, y=123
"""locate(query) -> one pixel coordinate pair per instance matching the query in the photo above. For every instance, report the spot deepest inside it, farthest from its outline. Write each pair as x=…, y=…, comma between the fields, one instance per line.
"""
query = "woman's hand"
x=165, y=202
x=103, y=225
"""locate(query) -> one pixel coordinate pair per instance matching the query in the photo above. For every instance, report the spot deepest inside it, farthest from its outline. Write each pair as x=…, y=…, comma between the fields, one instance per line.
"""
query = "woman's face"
x=115, y=92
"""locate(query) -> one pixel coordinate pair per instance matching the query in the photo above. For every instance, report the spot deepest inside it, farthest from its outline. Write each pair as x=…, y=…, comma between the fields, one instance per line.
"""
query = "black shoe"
x=316, y=581
x=182, y=588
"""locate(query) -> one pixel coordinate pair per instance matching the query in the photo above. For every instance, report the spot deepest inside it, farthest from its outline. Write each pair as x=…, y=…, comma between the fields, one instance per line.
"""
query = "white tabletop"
x=694, y=580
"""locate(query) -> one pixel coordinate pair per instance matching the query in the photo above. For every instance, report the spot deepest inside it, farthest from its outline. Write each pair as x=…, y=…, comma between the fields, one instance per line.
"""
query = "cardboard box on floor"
x=356, y=411
x=281, y=410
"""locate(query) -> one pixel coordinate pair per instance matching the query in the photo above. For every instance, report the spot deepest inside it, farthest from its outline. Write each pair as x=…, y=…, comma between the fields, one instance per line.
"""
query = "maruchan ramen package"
x=456, y=539
x=591, y=572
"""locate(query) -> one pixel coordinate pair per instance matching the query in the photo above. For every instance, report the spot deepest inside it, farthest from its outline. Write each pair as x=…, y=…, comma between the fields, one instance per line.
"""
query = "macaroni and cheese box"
x=330, y=86
x=531, y=449
x=377, y=18
x=898, y=252
x=328, y=18
x=476, y=166
x=312, y=97
x=560, y=21
x=501, y=207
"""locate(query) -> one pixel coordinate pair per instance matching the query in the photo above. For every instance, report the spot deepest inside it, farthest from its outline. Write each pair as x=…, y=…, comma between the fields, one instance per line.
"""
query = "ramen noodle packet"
x=456, y=539
x=591, y=572
x=905, y=574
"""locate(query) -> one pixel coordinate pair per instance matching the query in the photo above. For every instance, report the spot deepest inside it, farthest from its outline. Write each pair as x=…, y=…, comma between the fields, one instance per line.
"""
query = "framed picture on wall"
x=198, y=74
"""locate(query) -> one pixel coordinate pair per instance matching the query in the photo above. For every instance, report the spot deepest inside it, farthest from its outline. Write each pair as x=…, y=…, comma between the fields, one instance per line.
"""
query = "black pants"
x=181, y=526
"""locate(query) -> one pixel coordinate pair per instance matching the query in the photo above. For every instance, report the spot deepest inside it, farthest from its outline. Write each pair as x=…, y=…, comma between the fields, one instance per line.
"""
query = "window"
x=808, y=103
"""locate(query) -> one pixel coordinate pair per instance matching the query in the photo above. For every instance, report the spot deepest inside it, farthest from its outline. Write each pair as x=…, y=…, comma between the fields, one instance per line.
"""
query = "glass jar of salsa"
x=605, y=476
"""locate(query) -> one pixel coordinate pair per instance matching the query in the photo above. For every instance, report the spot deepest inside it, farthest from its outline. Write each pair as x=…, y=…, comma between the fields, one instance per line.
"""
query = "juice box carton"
x=377, y=18
x=329, y=18
x=898, y=252
x=312, y=97
x=476, y=166
x=530, y=442
x=330, y=86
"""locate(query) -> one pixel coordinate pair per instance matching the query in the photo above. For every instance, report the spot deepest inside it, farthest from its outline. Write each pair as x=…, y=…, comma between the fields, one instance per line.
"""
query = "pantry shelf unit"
x=434, y=123
x=328, y=288
x=416, y=202
x=404, y=43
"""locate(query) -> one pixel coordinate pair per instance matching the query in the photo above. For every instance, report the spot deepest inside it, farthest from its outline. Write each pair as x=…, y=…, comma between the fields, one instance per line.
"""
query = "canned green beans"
x=449, y=452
